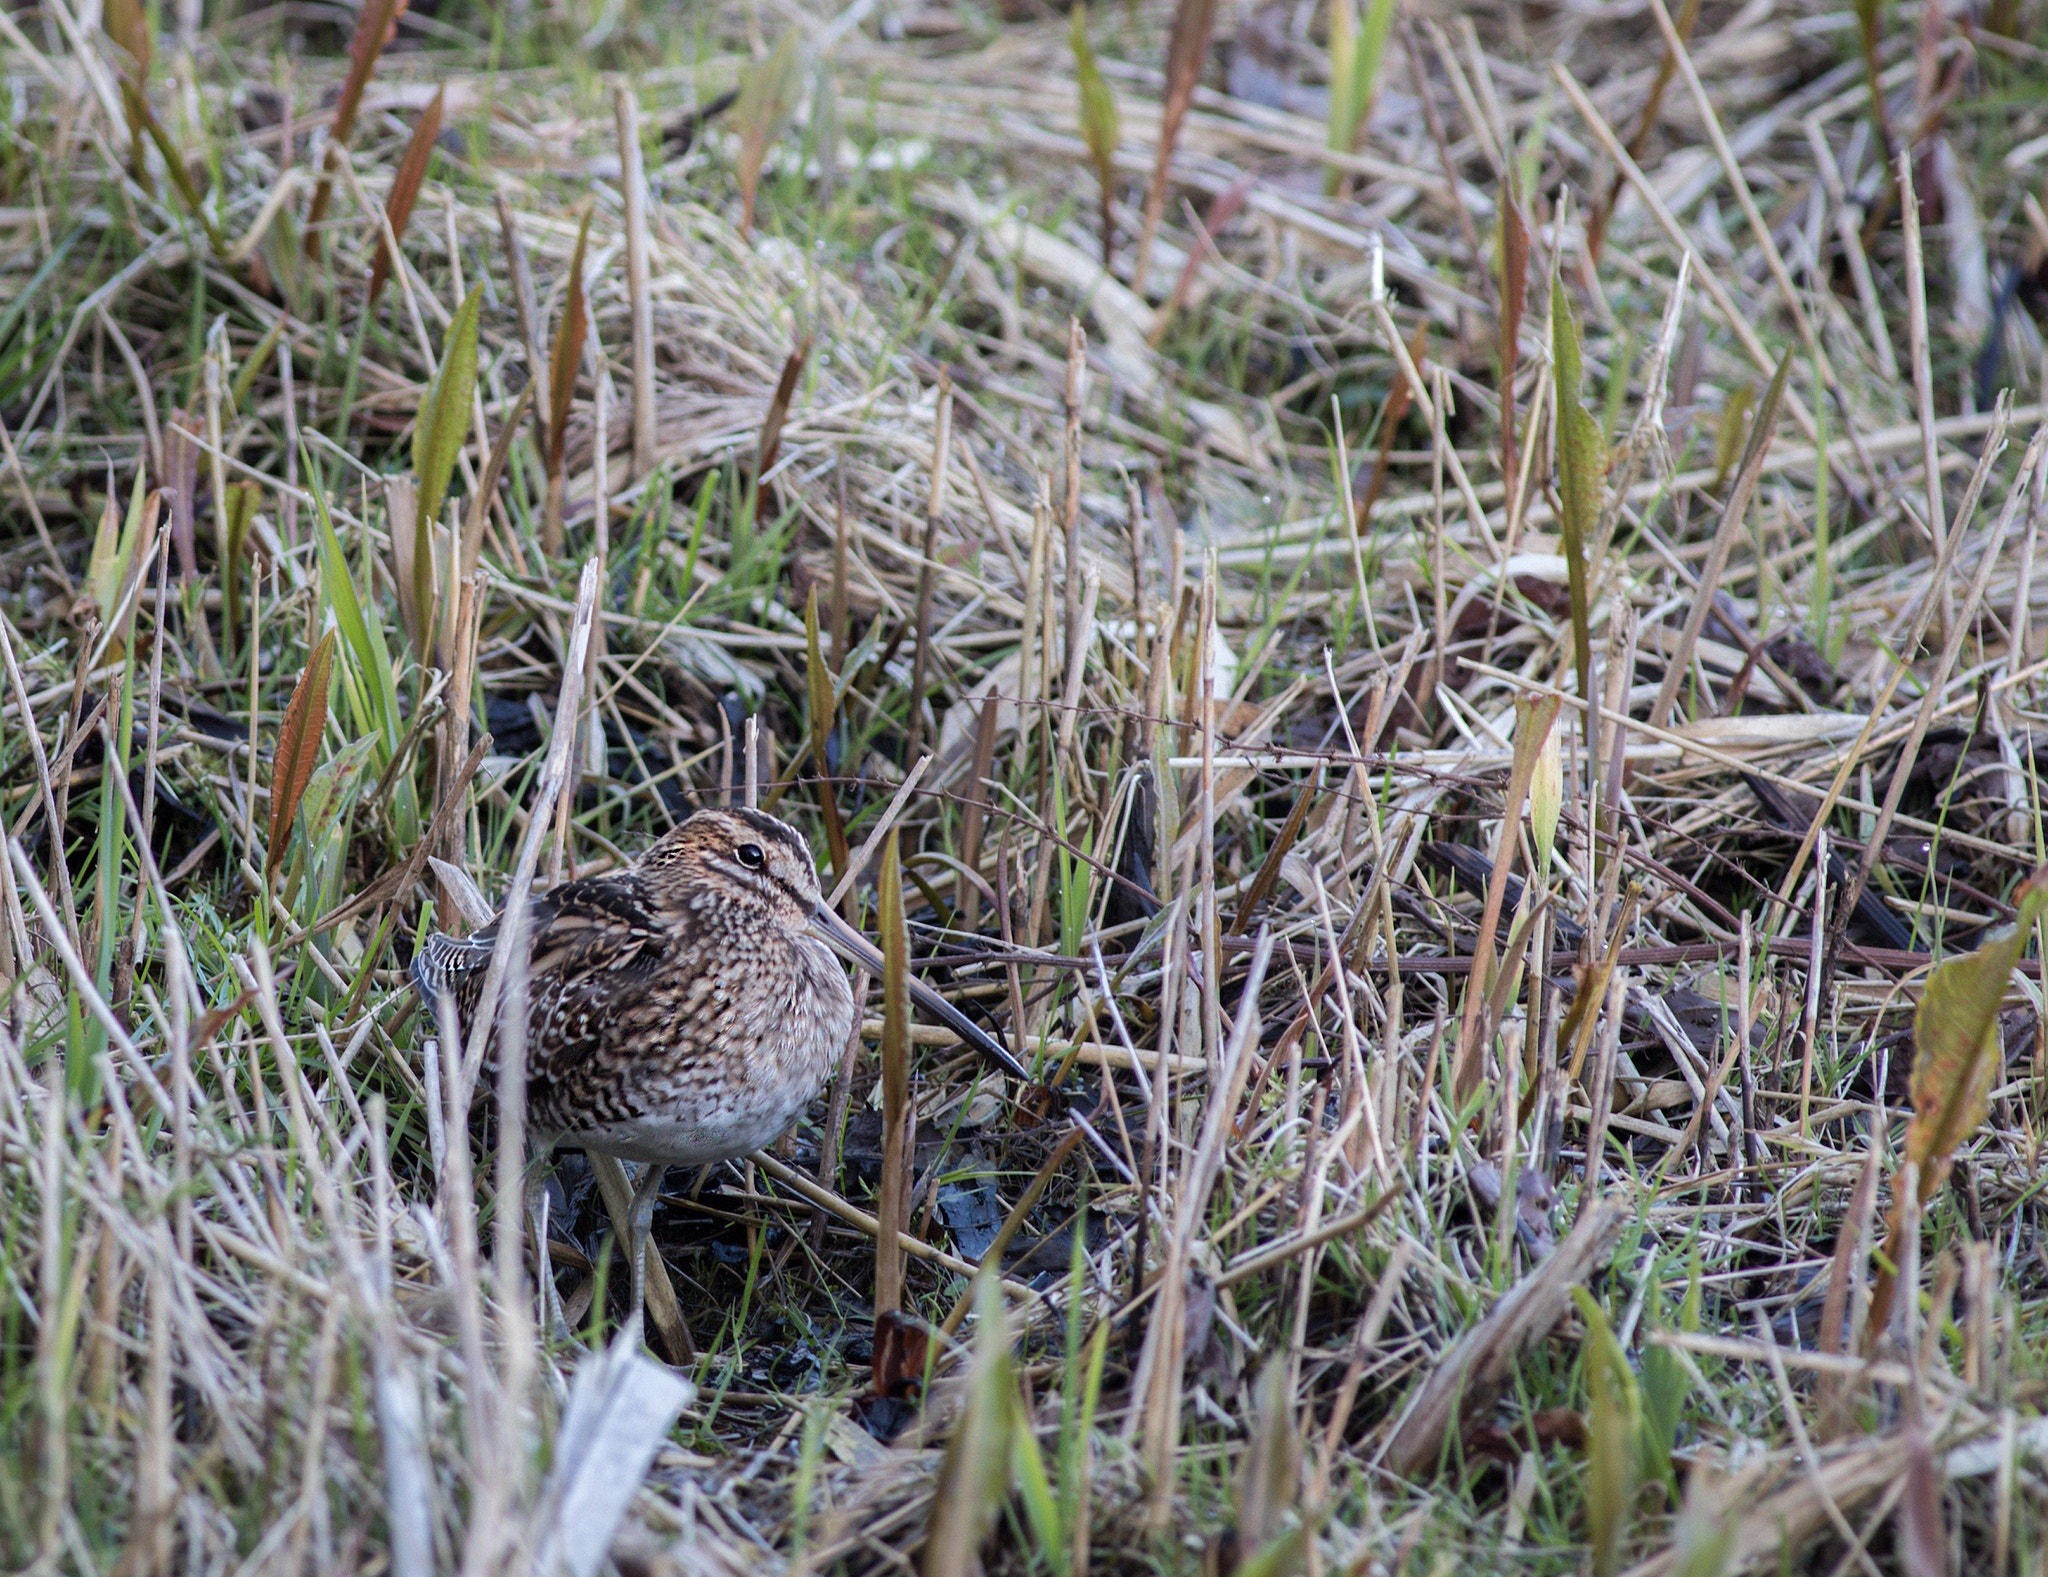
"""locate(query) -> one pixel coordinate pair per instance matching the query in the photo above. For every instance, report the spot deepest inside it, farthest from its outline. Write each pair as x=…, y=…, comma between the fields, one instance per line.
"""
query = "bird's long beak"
x=858, y=951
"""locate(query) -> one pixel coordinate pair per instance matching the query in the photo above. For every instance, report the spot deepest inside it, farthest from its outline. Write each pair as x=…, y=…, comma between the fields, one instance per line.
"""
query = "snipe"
x=683, y=1010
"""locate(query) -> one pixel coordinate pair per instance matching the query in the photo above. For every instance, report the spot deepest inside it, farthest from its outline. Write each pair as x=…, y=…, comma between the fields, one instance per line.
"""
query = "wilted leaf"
x=778, y=412
x=412, y=562
x=405, y=189
x=1468, y=1376
x=298, y=747
x=620, y=1408
x=1580, y=467
x=127, y=24
x=818, y=679
x=1956, y=1040
x=181, y=479
x=1269, y=1476
x=1705, y=1533
x=1534, y=719
x=1546, y=780
x=453, y=561
x=445, y=410
x=1923, y=1540
x=1186, y=50
x=1870, y=33
x=1957, y=1051
x=1399, y=398
x=767, y=100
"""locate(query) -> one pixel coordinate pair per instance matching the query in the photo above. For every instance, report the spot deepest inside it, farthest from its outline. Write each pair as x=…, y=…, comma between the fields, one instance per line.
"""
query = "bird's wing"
x=600, y=926
x=445, y=963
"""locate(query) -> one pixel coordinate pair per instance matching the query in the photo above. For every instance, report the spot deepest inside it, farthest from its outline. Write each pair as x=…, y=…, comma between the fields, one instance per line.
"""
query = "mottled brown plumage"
x=681, y=1011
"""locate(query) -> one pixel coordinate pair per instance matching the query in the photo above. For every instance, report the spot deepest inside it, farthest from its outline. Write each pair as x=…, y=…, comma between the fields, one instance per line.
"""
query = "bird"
x=681, y=1010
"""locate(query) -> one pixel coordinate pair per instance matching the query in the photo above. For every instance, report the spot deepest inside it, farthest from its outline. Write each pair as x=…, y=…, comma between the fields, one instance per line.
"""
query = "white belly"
x=696, y=1141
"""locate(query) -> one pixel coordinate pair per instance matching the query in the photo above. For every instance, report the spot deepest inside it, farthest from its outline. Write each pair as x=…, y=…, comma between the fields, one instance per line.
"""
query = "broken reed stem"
x=1077, y=378
x=935, y=503
x=892, y=1205
x=633, y=180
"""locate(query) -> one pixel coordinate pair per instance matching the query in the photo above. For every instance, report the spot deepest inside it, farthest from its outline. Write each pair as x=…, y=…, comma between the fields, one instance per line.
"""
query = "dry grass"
x=1228, y=760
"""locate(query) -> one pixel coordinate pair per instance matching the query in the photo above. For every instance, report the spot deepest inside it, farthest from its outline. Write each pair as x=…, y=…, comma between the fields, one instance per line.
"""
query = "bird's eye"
x=750, y=855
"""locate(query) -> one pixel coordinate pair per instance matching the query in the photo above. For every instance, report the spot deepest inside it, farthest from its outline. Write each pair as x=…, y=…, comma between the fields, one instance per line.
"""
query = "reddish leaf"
x=778, y=412
x=1399, y=398
x=405, y=189
x=373, y=31
x=298, y=748
x=768, y=98
x=1186, y=52
x=902, y=1351
x=562, y=365
x=568, y=353
x=1514, y=280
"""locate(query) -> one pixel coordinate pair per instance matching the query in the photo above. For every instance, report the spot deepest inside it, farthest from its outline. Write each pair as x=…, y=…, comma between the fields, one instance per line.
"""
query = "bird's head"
x=747, y=854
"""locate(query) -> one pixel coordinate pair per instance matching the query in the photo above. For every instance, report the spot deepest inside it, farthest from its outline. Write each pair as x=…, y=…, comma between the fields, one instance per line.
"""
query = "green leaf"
x=1101, y=126
x=241, y=512
x=1613, y=1448
x=368, y=678
x=1580, y=467
x=1365, y=64
x=1343, y=61
x=112, y=545
x=1034, y=1487
x=975, y=1475
x=1285, y=1552
x=1666, y=1383
x=326, y=800
x=1355, y=53
x=444, y=411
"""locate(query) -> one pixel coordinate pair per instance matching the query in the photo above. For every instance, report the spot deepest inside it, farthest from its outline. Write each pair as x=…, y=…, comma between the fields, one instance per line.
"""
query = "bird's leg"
x=639, y=1224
